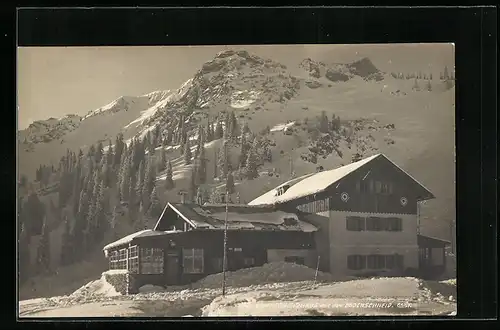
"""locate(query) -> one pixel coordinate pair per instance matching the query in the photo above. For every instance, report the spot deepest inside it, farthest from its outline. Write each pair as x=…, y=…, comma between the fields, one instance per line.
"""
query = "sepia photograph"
x=238, y=180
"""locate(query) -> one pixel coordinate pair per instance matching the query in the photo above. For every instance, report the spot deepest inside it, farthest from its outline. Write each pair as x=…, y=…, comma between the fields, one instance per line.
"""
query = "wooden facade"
x=377, y=187
x=176, y=253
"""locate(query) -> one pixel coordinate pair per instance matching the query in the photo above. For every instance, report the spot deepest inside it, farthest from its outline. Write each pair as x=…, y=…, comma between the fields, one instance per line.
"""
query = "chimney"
x=183, y=197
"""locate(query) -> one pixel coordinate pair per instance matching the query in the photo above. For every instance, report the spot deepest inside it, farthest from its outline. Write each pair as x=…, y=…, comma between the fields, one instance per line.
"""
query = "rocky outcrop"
x=313, y=84
x=336, y=75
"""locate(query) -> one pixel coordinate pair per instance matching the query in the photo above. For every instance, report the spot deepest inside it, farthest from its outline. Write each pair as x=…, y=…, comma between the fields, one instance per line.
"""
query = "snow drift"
x=275, y=272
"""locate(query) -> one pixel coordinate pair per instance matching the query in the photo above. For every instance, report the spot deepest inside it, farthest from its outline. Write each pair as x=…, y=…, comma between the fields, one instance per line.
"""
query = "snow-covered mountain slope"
x=264, y=93
x=44, y=142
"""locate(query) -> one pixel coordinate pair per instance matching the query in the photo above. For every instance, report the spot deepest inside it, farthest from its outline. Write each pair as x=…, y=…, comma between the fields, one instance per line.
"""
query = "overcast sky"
x=54, y=81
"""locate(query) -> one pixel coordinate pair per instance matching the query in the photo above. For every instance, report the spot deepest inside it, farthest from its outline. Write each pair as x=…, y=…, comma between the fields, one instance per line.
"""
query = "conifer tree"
x=140, y=221
x=132, y=195
x=162, y=161
x=416, y=86
x=192, y=184
x=200, y=196
x=155, y=207
x=251, y=165
x=224, y=160
x=243, y=151
x=187, y=153
x=169, y=182
x=66, y=246
x=149, y=182
x=114, y=220
x=43, y=251
x=99, y=152
x=110, y=153
x=230, y=183
x=209, y=132
x=323, y=123
x=24, y=254
x=125, y=180
x=119, y=145
x=245, y=129
x=182, y=147
x=202, y=166
x=100, y=213
x=141, y=177
x=216, y=162
x=235, y=129
x=219, y=132
x=169, y=137
x=429, y=86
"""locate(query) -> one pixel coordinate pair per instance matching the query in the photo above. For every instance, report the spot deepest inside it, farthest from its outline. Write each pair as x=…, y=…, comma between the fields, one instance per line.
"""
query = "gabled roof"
x=240, y=217
x=318, y=182
x=129, y=238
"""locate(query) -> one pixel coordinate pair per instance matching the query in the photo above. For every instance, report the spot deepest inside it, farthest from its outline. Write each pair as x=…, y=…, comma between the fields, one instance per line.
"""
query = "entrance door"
x=235, y=259
x=172, y=269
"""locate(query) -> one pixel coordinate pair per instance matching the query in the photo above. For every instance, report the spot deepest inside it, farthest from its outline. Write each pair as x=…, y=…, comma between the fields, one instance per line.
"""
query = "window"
x=133, y=262
x=113, y=260
x=249, y=262
x=151, y=261
x=355, y=223
x=295, y=260
x=192, y=261
x=386, y=188
x=376, y=224
x=281, y=190
x=366, y=186
x=394, y=224
x=379, y=261
x=122, y=259
x=356, y=262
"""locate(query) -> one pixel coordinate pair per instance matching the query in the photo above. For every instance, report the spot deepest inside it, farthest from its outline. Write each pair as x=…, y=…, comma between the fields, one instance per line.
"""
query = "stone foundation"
x=122, y=281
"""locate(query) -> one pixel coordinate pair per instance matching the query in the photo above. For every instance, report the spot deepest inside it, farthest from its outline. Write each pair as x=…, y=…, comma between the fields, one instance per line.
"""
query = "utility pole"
x=224, y=260
x=418, y=218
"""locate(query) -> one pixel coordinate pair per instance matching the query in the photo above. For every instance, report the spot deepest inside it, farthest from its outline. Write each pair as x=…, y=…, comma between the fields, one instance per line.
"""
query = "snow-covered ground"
x=272, y=296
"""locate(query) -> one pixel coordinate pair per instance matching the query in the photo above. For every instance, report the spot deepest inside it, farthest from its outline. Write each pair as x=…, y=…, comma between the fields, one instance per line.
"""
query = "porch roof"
x=431, y=242
x=143, y=233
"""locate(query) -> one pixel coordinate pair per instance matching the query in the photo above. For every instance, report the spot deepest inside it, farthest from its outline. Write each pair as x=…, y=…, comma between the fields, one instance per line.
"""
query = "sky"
x=55, y=81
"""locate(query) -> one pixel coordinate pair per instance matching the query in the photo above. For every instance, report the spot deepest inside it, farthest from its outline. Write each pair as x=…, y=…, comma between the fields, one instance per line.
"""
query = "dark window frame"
x=189, y=258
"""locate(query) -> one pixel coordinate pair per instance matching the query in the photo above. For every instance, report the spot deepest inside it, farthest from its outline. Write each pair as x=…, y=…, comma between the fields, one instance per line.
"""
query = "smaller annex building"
x=187, y=243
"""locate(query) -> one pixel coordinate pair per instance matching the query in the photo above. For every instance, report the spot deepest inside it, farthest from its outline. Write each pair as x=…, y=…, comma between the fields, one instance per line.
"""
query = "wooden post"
x=317, y=268
x=224, y=260
x=418, y=218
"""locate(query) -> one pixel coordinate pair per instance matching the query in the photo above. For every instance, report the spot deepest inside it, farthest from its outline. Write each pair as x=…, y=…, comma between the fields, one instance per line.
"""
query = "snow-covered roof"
x=240, y=217
x=310, y=184
x=127, y=239
x=317, y=182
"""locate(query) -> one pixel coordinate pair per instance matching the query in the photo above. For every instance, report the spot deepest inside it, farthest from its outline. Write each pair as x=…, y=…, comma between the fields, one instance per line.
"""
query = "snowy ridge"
x=119, y=101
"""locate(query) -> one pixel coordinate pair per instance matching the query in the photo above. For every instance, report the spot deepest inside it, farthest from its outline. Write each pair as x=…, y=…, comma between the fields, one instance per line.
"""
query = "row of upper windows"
x=356, y=223
x=374, y=186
